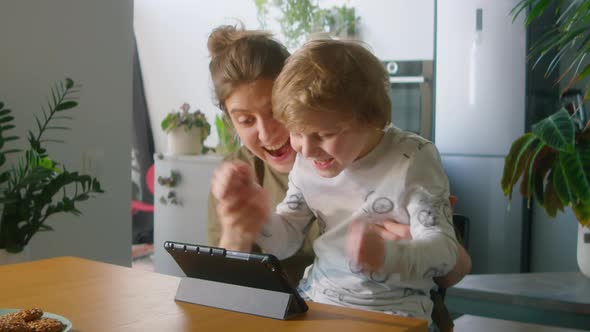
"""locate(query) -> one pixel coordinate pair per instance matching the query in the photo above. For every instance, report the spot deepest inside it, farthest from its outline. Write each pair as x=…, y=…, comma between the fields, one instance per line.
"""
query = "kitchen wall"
x=91, y=42
x=172, y=40
x=172, y=44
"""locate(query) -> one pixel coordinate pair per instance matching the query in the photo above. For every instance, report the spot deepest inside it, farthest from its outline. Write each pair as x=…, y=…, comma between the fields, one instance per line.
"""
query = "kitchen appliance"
x=410, y=90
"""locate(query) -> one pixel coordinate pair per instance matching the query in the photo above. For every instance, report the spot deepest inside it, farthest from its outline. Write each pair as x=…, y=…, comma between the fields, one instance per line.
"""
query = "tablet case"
x=244, y=282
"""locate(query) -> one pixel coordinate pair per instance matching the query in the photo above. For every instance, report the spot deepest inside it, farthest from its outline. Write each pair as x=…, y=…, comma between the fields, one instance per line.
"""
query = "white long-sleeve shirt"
x=400, y=179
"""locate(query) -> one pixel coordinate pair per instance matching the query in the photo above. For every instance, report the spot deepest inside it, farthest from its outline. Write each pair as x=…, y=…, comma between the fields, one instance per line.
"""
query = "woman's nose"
x=267, y=130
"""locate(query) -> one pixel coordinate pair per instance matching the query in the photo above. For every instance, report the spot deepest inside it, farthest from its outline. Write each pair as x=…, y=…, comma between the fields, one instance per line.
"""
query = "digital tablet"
x=254, y=270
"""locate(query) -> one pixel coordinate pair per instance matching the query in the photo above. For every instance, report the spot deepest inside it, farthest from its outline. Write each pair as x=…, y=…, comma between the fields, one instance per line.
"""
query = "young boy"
x=350, y=174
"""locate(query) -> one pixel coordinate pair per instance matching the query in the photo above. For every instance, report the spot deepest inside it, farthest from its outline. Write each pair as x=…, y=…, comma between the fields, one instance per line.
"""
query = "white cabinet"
x=180, y=209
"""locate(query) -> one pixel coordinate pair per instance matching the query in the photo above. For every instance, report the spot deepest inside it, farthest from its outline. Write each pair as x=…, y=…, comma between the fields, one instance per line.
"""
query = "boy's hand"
x=366, y=241
x=242, y=205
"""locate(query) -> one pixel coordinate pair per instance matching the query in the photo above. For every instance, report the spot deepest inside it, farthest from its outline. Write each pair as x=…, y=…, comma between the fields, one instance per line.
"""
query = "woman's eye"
x=245, y=120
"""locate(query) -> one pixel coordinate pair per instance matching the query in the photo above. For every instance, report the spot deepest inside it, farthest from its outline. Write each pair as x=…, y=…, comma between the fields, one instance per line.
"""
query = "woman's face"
x=250, y=110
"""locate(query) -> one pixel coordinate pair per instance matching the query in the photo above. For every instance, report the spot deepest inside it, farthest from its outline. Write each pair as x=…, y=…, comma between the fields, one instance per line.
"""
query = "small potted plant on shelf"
x=36, y=186
x=553, y=159
x=186, y=131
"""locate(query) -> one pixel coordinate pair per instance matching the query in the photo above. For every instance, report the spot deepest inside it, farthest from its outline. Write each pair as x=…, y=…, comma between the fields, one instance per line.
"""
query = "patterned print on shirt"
x=295, y=201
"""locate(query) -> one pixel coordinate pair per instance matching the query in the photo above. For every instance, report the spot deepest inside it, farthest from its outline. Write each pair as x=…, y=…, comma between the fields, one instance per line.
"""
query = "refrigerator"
x=480, y=69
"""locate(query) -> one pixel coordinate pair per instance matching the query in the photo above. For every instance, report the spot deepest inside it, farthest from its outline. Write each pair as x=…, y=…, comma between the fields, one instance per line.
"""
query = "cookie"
x=14, y=324
x=45, y=325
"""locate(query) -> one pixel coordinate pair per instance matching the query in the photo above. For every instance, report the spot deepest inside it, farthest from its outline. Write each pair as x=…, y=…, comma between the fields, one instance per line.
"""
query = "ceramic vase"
x=584, y=250
x=182, y=141
x=13, y=258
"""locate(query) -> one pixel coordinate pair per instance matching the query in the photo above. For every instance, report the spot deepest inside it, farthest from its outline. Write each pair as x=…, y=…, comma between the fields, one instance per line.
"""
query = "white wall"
x=172, y=44
x=91, y=42
x=397, y=29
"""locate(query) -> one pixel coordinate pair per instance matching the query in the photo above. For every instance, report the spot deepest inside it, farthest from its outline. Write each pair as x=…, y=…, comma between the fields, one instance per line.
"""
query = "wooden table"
x=102, y=297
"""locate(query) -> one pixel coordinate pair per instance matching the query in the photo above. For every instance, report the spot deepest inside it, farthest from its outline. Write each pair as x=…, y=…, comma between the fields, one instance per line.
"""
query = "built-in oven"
x=411, y=91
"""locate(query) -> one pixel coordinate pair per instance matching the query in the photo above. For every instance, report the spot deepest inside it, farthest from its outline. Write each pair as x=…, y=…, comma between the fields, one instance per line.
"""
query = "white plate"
x=62, y=319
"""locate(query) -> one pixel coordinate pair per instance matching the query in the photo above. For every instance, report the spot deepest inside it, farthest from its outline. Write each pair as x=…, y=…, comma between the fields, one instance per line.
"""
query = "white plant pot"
x=185, y=142
x=584, y=250
x=13, y=258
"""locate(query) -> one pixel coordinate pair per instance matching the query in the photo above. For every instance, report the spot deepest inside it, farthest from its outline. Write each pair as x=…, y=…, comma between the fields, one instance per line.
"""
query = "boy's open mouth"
x=323, y=164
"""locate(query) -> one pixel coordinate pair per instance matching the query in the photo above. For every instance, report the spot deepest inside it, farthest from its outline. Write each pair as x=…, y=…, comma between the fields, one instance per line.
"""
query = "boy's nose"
x=307, y=147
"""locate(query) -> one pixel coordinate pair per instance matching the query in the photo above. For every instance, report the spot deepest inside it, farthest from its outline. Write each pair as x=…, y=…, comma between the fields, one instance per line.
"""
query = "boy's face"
x=331, y=144
x=250, y=110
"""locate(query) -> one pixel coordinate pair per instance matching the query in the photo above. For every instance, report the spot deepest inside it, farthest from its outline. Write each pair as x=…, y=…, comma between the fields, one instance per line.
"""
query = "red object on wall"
x=138, y=206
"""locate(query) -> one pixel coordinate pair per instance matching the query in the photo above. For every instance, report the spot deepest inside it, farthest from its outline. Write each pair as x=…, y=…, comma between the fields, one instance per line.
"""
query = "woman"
x=244, y=65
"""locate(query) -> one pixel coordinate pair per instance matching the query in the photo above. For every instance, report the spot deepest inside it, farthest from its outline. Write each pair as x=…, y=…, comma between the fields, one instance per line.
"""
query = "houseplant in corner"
x=301, y=19
x=554, y=158
x=36, y=187
x=186, y=131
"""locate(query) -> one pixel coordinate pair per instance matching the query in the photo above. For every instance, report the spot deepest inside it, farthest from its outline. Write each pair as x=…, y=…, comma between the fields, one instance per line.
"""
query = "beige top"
x=275, y=184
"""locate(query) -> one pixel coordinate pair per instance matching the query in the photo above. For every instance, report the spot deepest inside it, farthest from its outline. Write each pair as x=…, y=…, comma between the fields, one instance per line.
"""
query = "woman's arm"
x=462, y=267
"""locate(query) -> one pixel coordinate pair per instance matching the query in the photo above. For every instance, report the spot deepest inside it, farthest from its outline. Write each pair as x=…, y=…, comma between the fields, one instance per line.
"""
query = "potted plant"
x=186, y=131
x=37, y=187
x=553, y=159
x=301, y=19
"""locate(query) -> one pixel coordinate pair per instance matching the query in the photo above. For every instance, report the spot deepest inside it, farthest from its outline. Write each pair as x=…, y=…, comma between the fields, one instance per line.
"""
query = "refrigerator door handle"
x=407, y=79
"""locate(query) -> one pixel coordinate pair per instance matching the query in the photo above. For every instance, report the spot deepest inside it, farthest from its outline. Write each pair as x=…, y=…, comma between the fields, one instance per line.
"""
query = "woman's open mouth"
x=280, y=151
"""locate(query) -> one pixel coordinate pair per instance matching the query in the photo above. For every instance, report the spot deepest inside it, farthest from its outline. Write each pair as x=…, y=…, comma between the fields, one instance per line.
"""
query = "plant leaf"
x=537, y=10
x=551, y=201
x=515, y=162
x=582, y=212
x=576, y=167
x=531, y=172
x=65, y=105
x=561, y=185
x=557, y=131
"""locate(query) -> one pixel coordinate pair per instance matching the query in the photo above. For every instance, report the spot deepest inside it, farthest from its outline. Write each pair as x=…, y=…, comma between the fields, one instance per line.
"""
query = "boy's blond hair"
x=332, y=76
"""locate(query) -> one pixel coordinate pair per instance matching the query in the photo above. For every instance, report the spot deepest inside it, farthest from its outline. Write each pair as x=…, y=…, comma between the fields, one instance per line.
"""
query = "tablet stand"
x=260, y=302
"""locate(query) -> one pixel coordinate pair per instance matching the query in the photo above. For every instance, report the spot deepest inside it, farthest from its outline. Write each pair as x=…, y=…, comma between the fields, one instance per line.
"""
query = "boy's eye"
x=326, y=135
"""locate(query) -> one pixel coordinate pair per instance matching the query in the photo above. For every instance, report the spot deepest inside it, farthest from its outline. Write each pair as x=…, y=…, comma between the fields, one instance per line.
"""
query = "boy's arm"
x=283, y=235
x=433, y=250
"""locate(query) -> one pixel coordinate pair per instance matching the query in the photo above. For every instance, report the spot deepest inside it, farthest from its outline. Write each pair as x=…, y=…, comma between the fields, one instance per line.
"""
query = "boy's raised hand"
x=366, y=241
x=242, y=205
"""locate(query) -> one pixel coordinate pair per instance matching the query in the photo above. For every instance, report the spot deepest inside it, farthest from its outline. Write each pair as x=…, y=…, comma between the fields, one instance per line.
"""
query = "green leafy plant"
x=299, y=18
x=228, y=140
x=554, y=159
x=188, y=120
x=37, y=186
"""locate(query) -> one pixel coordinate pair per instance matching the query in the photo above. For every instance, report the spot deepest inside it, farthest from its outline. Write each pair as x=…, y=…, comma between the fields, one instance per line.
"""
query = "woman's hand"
x=242, y=205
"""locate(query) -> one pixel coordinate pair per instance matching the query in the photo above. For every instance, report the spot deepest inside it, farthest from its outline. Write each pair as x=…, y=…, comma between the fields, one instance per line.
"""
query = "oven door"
x=411, y=101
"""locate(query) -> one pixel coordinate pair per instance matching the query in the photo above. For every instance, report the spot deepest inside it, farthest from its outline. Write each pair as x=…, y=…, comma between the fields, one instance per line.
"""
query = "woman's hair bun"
x=223, y=37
